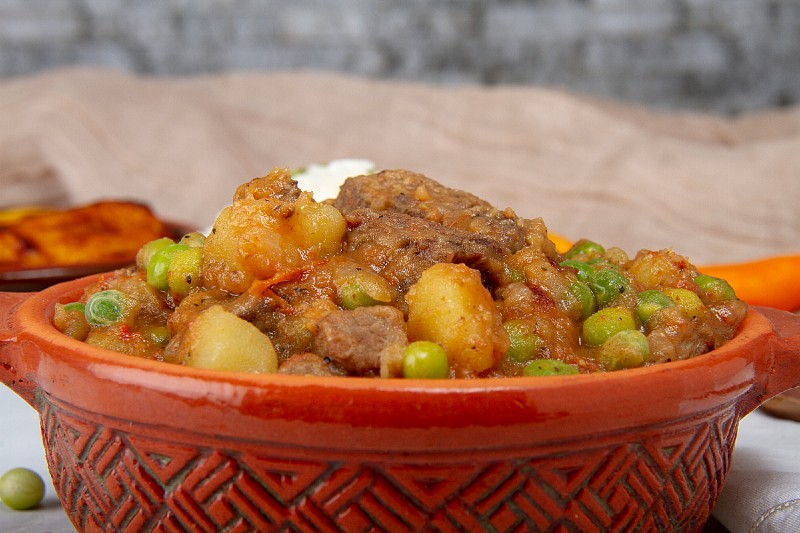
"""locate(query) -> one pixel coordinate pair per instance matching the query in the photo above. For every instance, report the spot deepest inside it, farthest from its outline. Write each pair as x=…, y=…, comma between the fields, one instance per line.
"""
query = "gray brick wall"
x=715, y=55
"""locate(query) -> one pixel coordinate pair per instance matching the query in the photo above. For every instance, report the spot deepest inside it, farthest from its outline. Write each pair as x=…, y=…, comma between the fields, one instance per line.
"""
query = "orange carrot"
x=772, y=281
x=562, y=243
x=260, y=287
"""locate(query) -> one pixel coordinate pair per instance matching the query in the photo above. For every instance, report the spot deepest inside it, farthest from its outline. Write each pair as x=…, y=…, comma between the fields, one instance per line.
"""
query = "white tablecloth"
x=762, y=492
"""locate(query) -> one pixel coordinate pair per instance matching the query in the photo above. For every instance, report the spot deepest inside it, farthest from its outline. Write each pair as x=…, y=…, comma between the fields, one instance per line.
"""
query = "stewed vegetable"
x=103, y=308
x=651, y=301
x=606, y=323
x=425, y=360
x=715, y=289
x=608, y=286
x=523, y=342
x=398, y=277
x=627, y=348
x=548, y=367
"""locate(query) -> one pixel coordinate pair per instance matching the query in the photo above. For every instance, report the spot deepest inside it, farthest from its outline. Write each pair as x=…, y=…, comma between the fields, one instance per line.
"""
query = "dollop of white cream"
x=324, y=180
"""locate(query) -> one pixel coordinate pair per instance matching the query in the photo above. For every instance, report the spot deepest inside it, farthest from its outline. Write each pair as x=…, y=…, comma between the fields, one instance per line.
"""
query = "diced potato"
x=248, y=242
x=270, y=229
x=657, y=269
x=690, y=303
x=449, y=306
x=320, y=228
x=72, y=323
x=219, y=340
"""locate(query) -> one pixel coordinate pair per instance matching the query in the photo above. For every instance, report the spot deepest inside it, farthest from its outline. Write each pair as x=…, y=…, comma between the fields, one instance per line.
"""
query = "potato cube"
x=319, y=228
x=450, y=306
x=220, y=340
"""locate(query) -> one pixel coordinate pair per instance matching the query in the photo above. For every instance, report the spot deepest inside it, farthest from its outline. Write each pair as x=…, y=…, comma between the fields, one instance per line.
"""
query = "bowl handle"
x=18, y=360
x=784, y=373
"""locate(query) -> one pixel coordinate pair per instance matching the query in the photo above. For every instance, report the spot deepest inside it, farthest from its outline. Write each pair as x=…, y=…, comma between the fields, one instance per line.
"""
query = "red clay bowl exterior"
x=138, y=445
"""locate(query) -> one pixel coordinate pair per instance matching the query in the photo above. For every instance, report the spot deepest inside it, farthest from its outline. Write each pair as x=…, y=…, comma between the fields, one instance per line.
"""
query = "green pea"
x=608, y=285
x=601, y=262
x=146, y=252
x=353, y=294
x=650, y=302
x=425, y=360
x=158, y=335
x=74, y=306
x=105, y=308
x=158, y=266
x=548, y=367
x=715, y=289
x=690, y=303
x=585, y=297
x=603, y=324
x=194, y=239
x=624, y=349
x=21, y=489
x=584, y=269
x=584, y=247
x=524, y=343
x=183, y=272
x=513, y=274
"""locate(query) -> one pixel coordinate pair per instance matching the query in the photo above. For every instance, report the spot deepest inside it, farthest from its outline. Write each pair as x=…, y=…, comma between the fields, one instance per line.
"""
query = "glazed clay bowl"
x=139, y=445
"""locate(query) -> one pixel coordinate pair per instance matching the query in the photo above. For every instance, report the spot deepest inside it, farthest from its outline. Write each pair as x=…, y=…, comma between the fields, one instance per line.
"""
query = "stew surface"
x=398, y=276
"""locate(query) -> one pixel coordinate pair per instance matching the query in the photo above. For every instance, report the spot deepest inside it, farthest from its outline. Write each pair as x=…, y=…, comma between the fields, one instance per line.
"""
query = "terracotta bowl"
x=145, y=446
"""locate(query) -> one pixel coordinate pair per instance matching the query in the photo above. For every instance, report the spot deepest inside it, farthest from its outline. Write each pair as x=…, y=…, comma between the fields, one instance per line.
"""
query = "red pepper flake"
x=125, y=332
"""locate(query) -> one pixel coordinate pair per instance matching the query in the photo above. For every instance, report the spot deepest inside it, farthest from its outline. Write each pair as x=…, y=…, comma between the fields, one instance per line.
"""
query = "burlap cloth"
x=714, y=189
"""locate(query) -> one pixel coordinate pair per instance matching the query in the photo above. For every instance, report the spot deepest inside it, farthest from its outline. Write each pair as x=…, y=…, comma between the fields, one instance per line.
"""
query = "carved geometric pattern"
x=110, y=480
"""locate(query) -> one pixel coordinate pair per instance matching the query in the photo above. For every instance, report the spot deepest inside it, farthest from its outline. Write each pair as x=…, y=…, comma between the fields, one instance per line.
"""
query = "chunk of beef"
x=413, y=194
x=400, y=247
x=364, y=341
x=406, y=192
x=277, y=186
x=309, y=364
